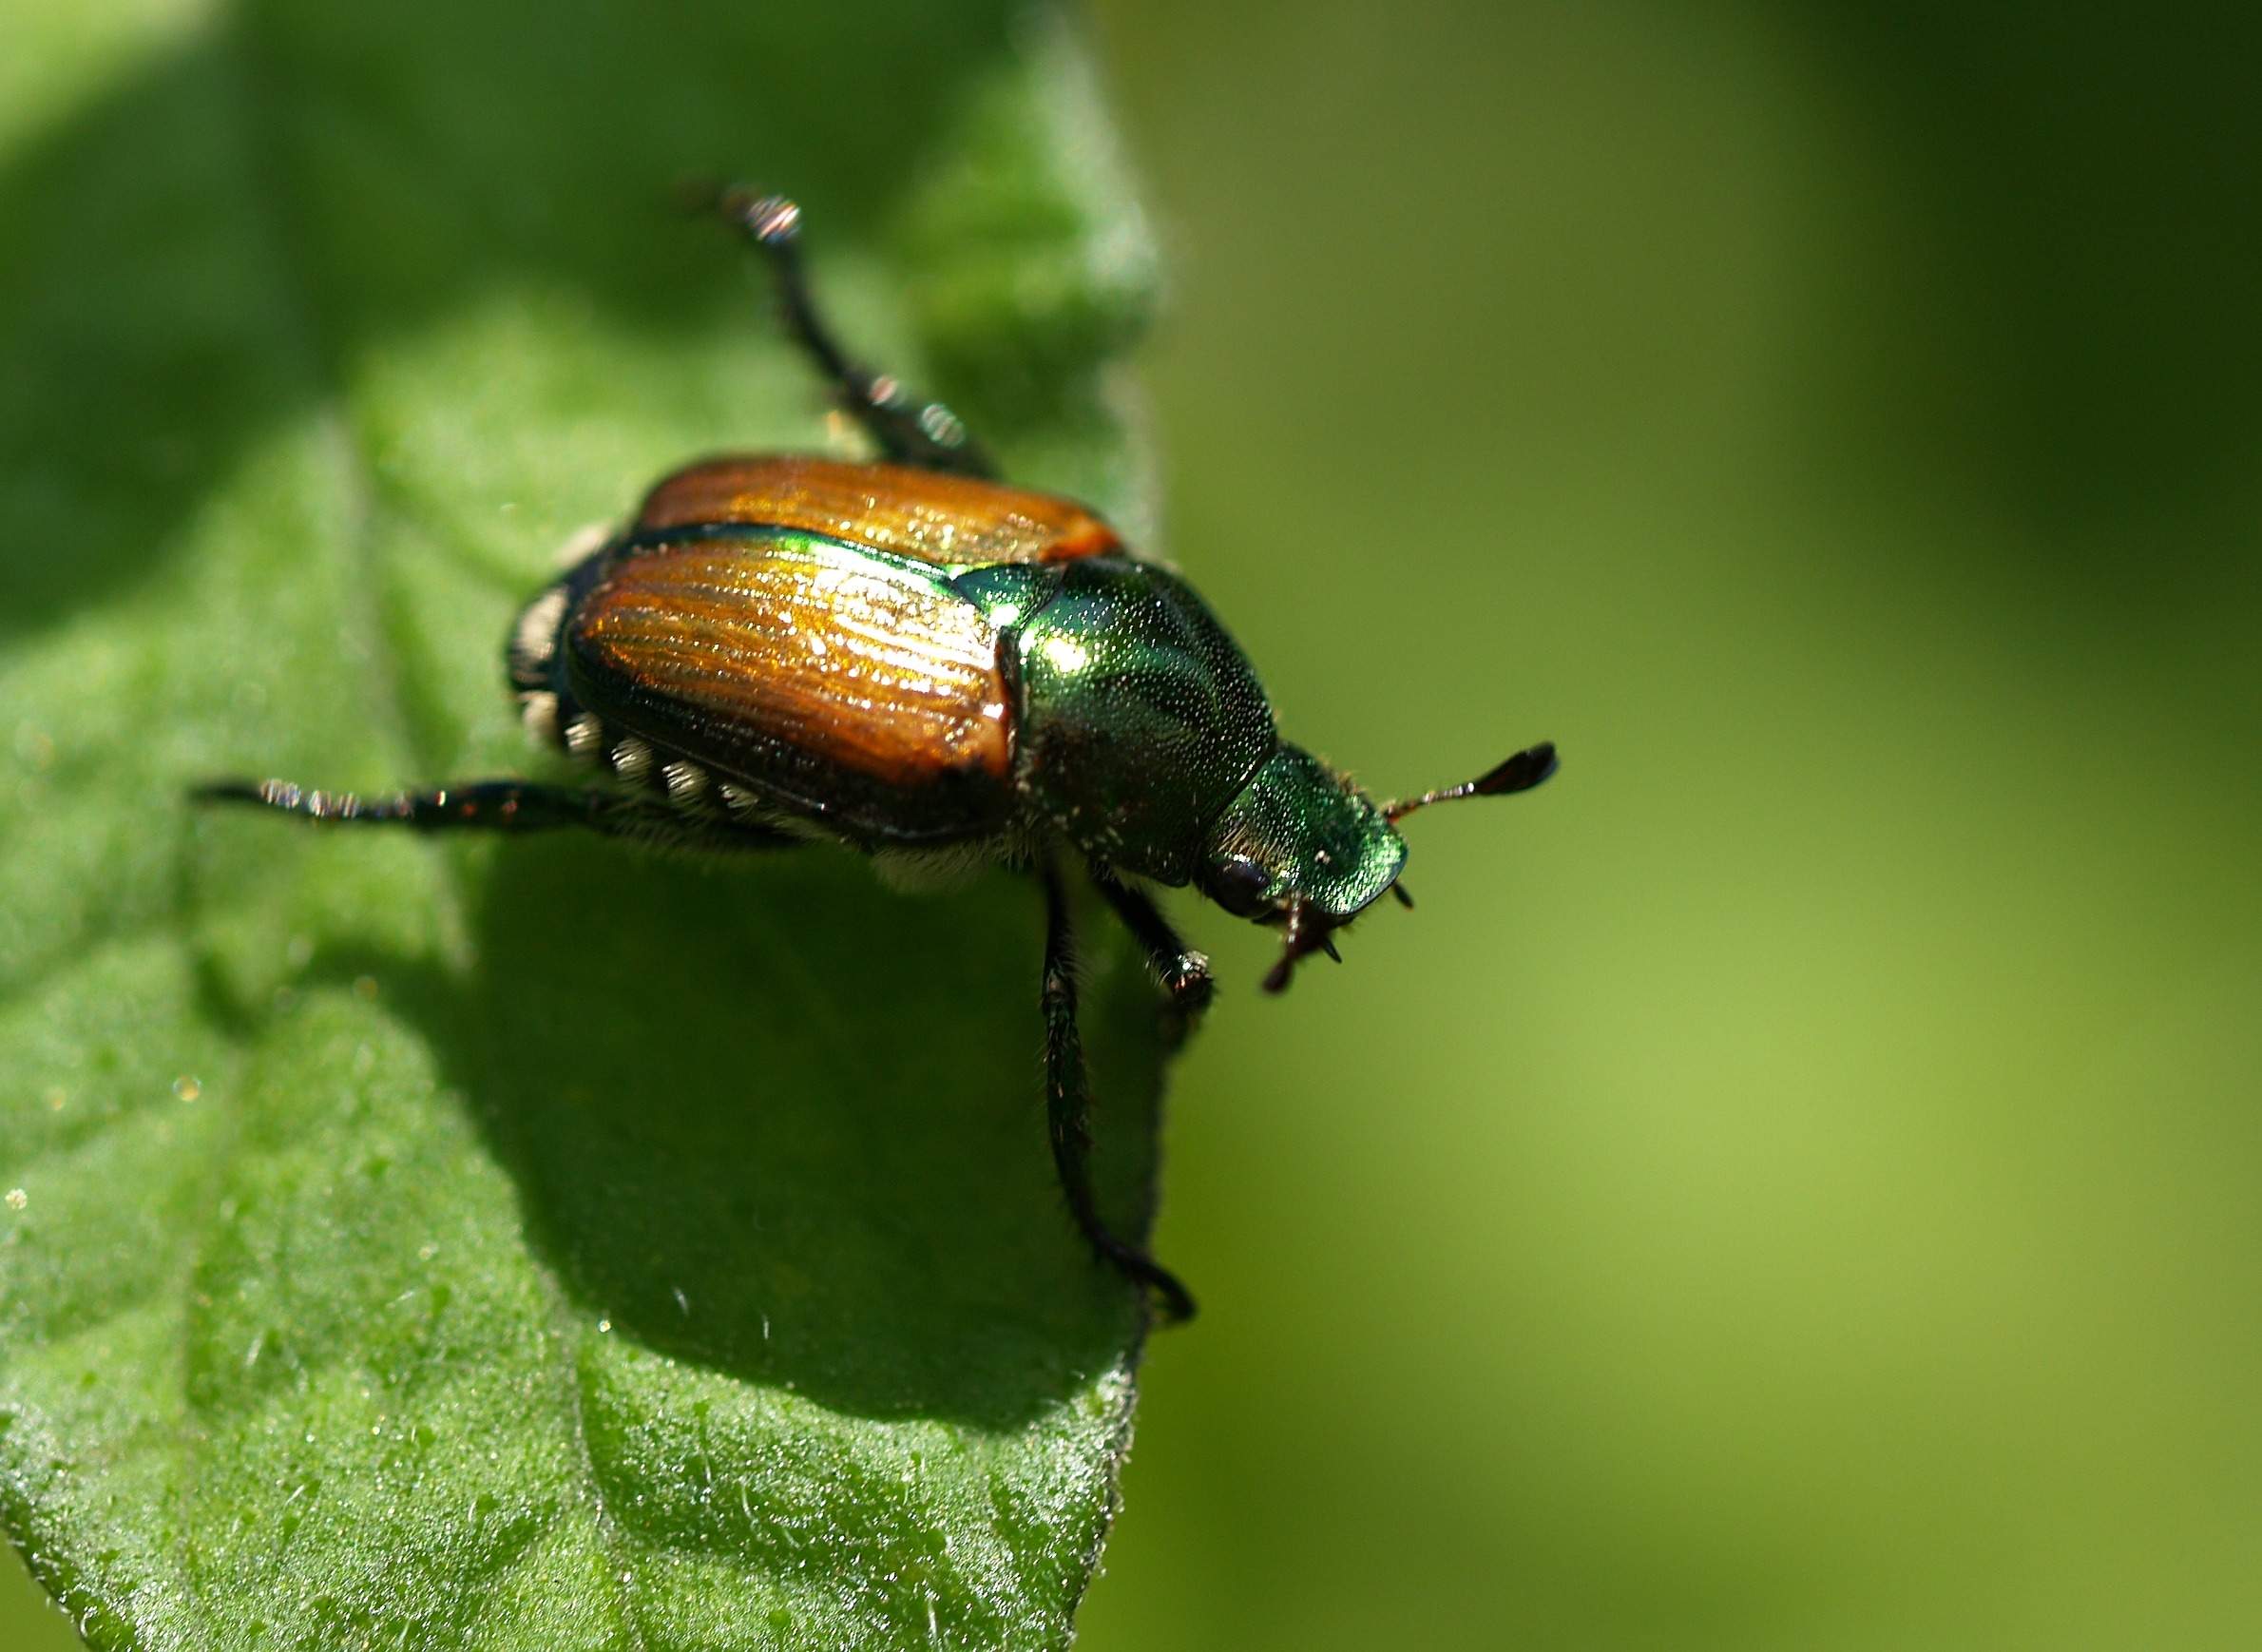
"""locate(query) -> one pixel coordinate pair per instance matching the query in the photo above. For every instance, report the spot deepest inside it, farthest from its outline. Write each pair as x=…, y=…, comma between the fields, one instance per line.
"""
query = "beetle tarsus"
x=502, y=806
x=909, y=431
x=1170, y=1295
x=1184, y=973
x=1068, y=1113
x=1189, y=989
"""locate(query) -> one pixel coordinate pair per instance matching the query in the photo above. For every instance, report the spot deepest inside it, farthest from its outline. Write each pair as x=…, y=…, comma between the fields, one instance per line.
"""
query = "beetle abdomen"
x=853, y=689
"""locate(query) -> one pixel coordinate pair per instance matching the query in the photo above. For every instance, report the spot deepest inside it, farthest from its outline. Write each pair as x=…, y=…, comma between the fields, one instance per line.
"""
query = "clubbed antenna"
x=1520, y=773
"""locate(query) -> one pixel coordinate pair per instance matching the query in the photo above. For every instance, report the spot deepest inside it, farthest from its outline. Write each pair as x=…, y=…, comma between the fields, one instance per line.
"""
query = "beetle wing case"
x=857, y=689
x=926, y=515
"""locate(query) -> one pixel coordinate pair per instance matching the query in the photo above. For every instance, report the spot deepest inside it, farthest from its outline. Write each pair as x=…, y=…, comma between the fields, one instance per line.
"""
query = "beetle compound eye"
x=1238, y=885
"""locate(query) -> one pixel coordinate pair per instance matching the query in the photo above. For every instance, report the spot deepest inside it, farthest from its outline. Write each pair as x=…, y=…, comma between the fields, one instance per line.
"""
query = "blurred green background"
x=1793, y=1182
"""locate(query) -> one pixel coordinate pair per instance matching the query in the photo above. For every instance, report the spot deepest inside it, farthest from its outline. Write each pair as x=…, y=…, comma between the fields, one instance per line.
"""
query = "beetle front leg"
x=502, y=806
x=1068, y=1111
x=1183, y=973
x=908, y=431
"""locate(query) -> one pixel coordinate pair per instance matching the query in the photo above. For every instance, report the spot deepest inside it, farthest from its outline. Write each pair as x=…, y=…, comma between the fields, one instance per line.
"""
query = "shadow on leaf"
x=837, y=1184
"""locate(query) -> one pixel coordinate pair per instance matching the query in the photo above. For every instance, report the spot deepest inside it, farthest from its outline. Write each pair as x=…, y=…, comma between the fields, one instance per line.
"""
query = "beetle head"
x=1300, y=846
x=1303, y=848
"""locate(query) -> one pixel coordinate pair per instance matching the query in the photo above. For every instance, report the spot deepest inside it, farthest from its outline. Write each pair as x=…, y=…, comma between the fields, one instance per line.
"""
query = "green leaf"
x=532, y=1244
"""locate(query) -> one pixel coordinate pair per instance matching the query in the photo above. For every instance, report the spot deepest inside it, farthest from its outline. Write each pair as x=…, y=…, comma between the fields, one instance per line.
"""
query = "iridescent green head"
x=1304, y=848
x=1299, y=835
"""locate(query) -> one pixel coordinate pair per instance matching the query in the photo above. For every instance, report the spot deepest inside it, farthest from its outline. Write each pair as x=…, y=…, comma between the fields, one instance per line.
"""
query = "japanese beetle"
x=924, y=664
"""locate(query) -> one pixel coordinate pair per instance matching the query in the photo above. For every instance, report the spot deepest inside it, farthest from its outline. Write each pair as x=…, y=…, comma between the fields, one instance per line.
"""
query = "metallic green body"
x=1317, y=838
x=1145, y=737
x=1140, y=719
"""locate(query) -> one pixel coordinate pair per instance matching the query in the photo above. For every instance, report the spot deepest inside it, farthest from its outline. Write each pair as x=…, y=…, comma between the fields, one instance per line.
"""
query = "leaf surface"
x=530, y=1245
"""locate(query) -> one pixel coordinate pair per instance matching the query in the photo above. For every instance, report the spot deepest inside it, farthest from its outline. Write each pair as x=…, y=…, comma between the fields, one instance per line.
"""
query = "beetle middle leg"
x=908, y=430
x=503, y=806
x=1068, y=1111
x=1184, y=973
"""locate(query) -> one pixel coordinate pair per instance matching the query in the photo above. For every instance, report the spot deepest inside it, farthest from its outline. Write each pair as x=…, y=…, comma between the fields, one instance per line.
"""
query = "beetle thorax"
x=1140, y=720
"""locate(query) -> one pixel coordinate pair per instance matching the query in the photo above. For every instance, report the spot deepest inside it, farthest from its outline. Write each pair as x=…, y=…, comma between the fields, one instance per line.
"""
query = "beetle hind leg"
x=1068, y=1114
x=512, y=806
x=909, y=431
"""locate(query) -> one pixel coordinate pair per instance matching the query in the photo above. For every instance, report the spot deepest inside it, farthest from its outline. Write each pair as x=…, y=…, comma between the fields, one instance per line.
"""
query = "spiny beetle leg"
x=908, y=430
x=1068, y=1112
x=502, y=806
x=1184, y=972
